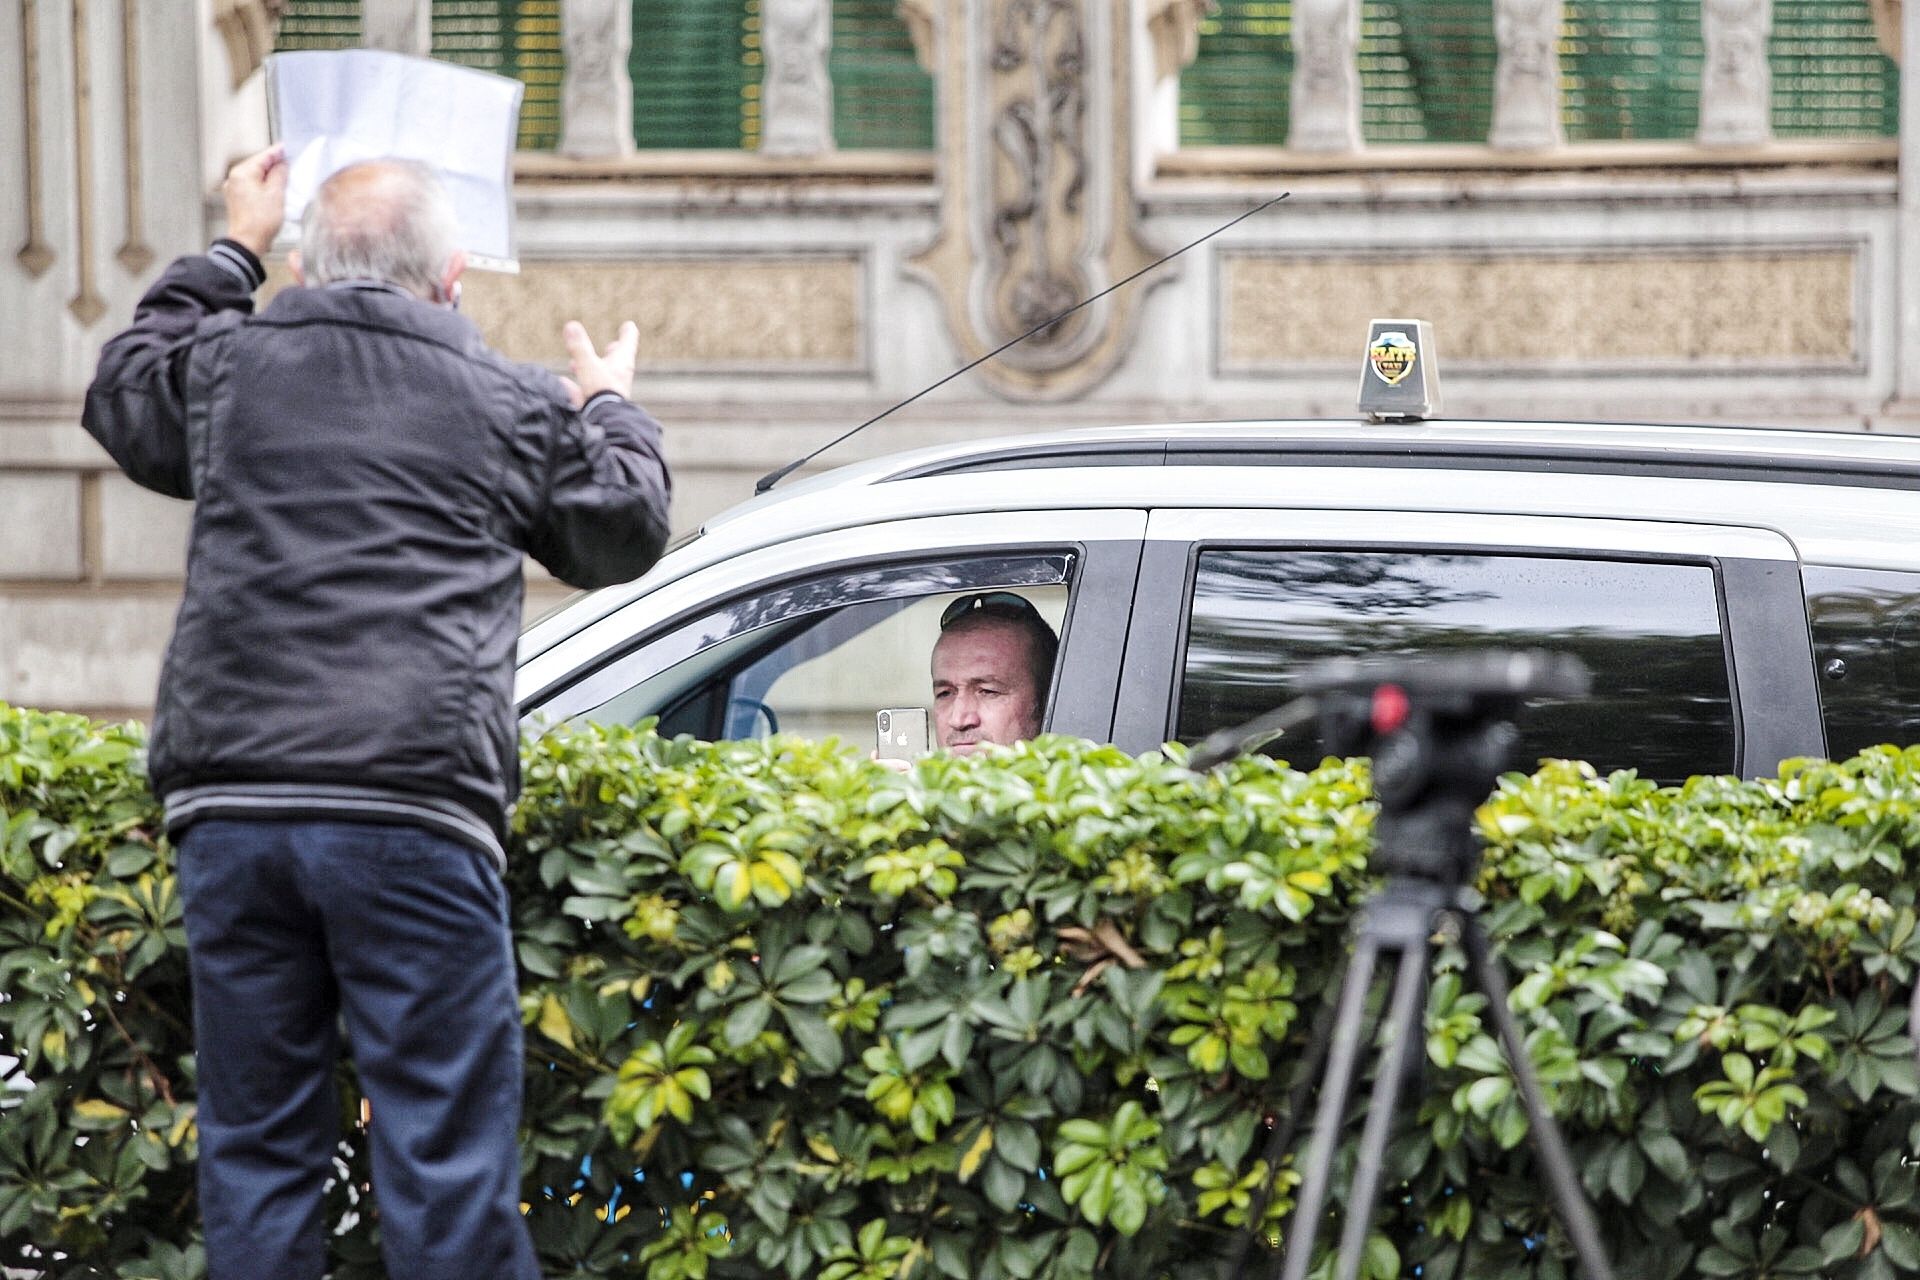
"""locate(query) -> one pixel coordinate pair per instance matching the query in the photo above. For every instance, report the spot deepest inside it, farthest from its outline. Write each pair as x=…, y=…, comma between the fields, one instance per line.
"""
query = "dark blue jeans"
x=290, y=927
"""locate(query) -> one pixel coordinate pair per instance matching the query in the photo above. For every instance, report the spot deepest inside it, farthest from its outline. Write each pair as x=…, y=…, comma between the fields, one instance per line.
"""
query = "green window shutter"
x=1426, y=71
x=318, y=24
x=1235, y=93
x=1830, y=79
x=881, y=96
x=519, y=38
x=696, y=73
x=1630, y=69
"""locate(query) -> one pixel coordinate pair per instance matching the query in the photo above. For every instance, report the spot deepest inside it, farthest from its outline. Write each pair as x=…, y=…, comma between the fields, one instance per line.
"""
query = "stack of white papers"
x=337, y=108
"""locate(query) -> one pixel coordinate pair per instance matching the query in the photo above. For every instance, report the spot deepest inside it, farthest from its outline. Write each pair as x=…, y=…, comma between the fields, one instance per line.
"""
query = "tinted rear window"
x=1651, y=634
x=1867, y=620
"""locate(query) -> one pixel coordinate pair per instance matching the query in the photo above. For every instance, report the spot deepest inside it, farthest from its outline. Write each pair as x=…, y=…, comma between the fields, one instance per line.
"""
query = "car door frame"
x=1763, y=615
x=1106, y=544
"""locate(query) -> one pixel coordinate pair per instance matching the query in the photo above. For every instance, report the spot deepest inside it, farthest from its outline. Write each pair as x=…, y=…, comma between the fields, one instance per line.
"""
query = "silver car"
x=1741, y=596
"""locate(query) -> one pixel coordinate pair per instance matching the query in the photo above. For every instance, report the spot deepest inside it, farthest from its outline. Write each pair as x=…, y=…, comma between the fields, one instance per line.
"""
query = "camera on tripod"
x=1440, y=730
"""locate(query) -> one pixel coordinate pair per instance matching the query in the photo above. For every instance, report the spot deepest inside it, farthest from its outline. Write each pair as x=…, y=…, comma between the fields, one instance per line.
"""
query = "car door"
x=815, y=634
x=1696, y=634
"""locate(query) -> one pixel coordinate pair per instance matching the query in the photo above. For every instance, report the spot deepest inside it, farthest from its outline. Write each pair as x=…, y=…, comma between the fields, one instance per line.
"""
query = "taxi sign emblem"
x=1393, y=355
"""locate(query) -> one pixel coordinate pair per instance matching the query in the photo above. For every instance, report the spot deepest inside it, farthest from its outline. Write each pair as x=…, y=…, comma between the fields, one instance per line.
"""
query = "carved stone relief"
x=1886, y=26
x=247, y=28
x=1036, y=210
x=399, y=26
x=1174, y=27
x=1736, y=82
x=597, y=95
x=1526, y=87
x=796, y=93
x=1326, y=76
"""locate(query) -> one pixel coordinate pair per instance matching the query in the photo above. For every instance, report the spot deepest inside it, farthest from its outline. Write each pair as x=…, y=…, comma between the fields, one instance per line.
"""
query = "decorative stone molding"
x=1526, y=87
x=1037, y=213
x=1886, y=25
x=920, y=17
x=134, y=253
x=597, y=94
x=1736, y=81
x=36, y=254
x=1174, y=28
x=399, y=26
x=796, y=93
x=247, y=29
x=1326, y=76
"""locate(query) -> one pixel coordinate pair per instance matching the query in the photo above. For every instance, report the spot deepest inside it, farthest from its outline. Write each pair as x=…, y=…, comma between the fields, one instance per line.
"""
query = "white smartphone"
x=900, y=733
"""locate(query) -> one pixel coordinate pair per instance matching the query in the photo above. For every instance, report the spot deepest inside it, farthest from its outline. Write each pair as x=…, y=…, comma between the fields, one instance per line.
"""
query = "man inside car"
x=992, y=666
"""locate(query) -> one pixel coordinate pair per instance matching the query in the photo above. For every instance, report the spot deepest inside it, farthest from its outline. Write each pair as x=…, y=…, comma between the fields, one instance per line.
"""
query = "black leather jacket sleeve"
x=136, y=407
x=605, y=517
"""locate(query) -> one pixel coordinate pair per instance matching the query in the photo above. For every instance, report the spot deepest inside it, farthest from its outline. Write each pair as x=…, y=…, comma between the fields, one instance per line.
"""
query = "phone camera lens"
x=885, y=720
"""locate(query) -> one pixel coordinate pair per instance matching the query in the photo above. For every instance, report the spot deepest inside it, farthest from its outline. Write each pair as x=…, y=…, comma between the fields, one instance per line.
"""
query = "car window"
x=1868, y=622
x=1650, y=632
x=818, y=656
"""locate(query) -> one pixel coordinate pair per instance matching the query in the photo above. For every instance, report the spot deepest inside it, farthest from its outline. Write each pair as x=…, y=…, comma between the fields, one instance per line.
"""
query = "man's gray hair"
x=385, y=220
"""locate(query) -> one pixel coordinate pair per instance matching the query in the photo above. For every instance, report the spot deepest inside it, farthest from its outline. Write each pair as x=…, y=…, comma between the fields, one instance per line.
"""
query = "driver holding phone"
x=992, y=665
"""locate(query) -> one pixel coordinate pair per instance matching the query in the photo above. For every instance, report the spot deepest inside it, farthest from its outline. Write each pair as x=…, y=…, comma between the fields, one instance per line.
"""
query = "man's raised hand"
x=610, y=369
x=256, y=192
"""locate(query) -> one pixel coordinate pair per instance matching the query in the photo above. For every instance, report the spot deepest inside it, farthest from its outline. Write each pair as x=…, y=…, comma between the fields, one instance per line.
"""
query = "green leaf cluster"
x=1033, y=1015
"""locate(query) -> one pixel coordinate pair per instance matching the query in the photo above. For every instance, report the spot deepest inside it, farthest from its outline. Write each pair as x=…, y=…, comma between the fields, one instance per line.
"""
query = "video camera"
x=1440, y=730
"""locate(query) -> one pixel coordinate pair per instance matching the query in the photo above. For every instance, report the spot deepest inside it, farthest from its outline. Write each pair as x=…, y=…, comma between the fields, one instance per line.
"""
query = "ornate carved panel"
x=1036, y=202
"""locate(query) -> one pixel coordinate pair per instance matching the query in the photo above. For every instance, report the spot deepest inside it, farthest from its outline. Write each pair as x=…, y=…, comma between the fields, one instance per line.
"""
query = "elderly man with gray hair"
x=334, y=736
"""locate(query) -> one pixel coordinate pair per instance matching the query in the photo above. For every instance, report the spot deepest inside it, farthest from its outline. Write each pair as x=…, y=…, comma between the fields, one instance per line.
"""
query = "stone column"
x=399, y=26
x=1526, y=87
x=1736, y=83
x=796, y=93
x=1326, y=76
x=596, y=98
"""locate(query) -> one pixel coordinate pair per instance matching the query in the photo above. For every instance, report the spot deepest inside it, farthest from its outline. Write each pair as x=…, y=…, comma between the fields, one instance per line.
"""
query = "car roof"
x=1131, y=466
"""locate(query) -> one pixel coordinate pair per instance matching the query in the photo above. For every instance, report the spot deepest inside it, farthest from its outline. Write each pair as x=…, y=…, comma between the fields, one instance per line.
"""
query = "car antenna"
x=773, y=478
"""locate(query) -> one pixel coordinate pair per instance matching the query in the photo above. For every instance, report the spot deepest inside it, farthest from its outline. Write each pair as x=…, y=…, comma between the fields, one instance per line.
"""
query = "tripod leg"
x=1348, y=1032
x=1575, y=1214
x=1404, y=1027
x=1282, y=1140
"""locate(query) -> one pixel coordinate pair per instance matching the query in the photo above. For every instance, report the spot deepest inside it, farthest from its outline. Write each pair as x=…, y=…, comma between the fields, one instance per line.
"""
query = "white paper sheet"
x=335, y=108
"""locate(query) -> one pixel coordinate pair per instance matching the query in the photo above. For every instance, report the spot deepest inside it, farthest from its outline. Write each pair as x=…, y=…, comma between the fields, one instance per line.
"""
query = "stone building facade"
x=787, y=292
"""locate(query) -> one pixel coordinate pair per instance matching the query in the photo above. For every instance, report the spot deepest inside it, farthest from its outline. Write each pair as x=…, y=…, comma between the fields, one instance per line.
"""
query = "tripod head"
x=1440, y=730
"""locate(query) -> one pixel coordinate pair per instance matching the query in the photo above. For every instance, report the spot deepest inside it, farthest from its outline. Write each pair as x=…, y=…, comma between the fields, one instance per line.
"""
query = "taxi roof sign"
x=1400, y=379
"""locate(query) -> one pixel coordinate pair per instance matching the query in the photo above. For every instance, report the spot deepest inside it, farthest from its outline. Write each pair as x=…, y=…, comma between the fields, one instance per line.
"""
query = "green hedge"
x=790, y=1015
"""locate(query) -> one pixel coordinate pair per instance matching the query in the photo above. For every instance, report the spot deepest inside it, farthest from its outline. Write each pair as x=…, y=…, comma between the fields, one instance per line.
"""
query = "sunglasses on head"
x=1006, y=604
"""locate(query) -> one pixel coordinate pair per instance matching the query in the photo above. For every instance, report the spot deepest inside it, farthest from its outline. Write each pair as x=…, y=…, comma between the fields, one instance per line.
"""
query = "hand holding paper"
x=336, y=108
x=256, y=194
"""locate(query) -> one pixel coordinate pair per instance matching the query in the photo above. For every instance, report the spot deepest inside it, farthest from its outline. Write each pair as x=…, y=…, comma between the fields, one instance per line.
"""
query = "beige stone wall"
x=699, y=314
x=1581, y=311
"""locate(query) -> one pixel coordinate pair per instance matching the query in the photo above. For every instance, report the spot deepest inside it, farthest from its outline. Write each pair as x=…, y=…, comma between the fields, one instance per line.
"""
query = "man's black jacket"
x=366, y=477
